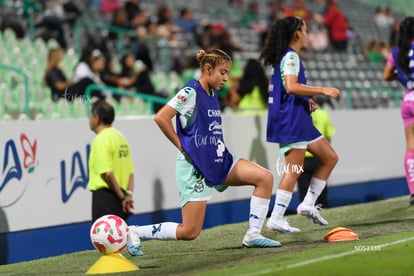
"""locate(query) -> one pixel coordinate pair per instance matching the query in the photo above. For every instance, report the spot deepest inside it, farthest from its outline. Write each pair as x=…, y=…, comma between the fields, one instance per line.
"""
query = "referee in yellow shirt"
x=111, y=174
x=323, y=123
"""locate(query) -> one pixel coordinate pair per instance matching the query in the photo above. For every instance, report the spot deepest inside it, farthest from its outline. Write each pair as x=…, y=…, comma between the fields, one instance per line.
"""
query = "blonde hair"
x=53, y=60
x=212, y=57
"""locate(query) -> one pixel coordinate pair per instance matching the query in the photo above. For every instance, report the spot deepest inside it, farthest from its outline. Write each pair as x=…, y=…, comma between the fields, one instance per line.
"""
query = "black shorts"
x=106, y=202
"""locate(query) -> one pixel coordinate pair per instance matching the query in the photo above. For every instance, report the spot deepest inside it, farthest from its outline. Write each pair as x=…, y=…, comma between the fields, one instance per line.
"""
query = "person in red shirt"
x=337, y=24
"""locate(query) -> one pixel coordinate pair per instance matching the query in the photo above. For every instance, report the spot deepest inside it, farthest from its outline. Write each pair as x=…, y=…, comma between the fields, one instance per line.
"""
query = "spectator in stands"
x=400, y=66
x=250, y=15
x=110, y=6
x=251, y=19
x=55, y=79
x=276, y=10
x=373, y=51
x=217, y=36
x=135, y=76
x=57, y=13
x=131, y=70
x=132, y=7
x=252, y=88
x=90, y=66
x=110, y=76
x=384, y=18
x=317, y=36
x=385, y=50
x=186, y=23
x=136, y=33
x=165, y=24
x=337, y=24
x=120, y=20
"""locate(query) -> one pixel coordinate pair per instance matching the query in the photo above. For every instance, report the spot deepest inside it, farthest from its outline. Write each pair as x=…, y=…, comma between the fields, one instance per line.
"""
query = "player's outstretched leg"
x=134, y=242
x=259, y=241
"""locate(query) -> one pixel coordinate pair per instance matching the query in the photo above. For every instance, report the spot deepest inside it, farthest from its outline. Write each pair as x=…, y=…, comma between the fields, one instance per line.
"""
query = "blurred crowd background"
x=56, y=55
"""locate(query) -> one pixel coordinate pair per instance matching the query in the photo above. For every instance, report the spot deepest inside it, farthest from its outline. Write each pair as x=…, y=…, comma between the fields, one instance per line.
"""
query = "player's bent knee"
x=331, y=159
x=266, y=180
x=334, y=159
x=189, y=236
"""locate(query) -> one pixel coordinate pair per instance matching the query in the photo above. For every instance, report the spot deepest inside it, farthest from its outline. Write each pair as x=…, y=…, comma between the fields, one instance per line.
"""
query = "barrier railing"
x=150, y=99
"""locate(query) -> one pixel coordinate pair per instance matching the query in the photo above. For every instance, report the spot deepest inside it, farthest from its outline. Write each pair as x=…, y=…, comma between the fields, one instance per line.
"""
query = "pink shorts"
x=407, y=109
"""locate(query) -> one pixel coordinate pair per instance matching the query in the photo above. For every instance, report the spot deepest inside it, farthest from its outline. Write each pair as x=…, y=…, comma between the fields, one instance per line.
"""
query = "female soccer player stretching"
x=290, y=122
x=400, y=65
x=203, y=161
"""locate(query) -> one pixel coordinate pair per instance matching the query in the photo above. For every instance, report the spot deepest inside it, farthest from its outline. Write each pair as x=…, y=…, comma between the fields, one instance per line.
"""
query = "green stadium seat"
x=78, y=109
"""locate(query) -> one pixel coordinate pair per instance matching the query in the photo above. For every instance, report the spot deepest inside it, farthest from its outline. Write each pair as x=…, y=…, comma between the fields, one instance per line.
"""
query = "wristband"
x=129, y=192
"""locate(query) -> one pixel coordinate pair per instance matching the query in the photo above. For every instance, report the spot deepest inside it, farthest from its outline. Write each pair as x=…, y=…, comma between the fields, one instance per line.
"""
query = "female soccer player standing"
x=204, y=161
x=400, y=66
x=290, y=122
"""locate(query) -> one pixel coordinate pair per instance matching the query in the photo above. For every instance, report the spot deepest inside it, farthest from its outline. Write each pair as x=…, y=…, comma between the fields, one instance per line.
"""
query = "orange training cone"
x=112, y=263
x=340, y=234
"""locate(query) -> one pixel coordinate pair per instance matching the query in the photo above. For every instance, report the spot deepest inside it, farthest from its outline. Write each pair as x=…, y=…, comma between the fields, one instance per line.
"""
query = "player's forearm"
x=166, y=126
x=303, y=90
x=113, y=184
x=389, y=73
x=131, y=183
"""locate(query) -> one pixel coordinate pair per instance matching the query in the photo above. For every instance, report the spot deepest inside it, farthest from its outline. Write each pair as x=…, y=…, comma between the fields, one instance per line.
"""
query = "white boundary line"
x=329, y=257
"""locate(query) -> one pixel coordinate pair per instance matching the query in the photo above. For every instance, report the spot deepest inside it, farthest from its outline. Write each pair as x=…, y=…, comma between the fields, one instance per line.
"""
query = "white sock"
x=258, y=212
x=161, y=231
x=282, y=201
x=316, y=187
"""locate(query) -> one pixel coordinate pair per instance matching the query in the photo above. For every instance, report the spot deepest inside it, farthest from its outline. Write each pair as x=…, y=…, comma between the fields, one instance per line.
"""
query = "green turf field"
x=385, y=228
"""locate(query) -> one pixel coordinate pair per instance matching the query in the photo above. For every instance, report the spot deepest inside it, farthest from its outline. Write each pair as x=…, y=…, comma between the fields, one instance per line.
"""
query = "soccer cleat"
x=259, y=241
x=134, y=242
x=412, y=200
x=281, y=225
x=312, y=212
x=221, y=187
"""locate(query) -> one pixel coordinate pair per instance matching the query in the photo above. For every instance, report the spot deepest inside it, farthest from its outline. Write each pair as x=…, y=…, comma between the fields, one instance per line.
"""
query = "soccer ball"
x=109, y=234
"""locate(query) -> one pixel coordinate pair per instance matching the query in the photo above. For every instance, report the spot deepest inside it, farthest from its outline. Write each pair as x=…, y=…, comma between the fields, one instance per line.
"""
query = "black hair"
x=183, y=11
x=125, y=70
x=278, y=39
x=254, y=75
x=405, y=36
x=104, y=111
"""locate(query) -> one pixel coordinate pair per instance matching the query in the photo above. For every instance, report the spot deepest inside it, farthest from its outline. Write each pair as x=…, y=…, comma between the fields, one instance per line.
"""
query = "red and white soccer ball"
x=109, y=234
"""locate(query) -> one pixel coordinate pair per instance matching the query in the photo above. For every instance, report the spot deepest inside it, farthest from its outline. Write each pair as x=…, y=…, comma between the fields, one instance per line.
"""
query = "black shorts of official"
x=106, y=202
